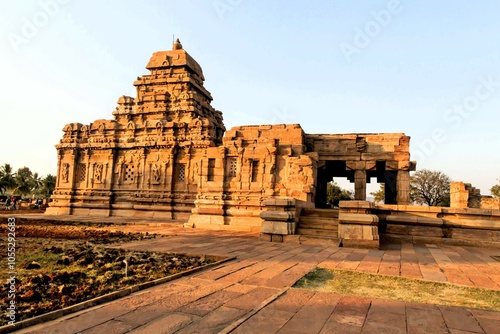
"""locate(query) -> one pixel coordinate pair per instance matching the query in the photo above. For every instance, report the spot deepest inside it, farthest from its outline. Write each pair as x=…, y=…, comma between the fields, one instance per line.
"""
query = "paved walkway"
x=253, y=293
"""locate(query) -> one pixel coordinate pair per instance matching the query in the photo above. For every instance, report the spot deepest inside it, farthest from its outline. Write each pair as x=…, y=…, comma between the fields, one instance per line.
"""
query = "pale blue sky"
x=332, y=66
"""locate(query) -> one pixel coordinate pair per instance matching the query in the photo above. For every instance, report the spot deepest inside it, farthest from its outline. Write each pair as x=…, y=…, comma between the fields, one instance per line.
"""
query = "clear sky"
x=430, y=69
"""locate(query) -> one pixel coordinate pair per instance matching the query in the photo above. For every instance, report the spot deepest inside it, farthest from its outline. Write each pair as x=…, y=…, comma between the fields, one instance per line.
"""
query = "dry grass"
x=399, y=288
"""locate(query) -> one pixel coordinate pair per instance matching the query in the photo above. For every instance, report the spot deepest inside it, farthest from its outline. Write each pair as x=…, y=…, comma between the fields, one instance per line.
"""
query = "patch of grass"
x=45, y=259
x=398, y=288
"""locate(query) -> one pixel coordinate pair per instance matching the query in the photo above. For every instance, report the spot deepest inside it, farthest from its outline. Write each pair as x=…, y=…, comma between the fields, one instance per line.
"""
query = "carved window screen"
x=233, y=167
x=211, y=169
x=181, y=172
x=82, y=172
x=129, y=173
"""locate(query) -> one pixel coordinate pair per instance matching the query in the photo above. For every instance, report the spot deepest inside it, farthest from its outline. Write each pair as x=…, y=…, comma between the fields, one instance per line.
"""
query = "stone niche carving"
x=65, y=173
x=155, y=169
x=98, y=171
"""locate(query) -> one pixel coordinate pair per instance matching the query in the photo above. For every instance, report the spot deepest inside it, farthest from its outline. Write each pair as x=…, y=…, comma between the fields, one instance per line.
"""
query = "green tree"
x=36, y=183
x=430, y=187
x=495, y=190
x=379, y=195
x=23, y=182
x=3, y=184
x=7, y=178
x=48, y=185
x=335, y=194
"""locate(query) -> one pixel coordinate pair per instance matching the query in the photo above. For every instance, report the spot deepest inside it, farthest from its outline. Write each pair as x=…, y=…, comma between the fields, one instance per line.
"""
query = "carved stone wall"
x=166, y=154
x=253, y=164
x=146, y=161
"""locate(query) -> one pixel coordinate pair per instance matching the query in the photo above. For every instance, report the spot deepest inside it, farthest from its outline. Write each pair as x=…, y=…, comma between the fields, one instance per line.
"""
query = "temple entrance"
x=338, y=168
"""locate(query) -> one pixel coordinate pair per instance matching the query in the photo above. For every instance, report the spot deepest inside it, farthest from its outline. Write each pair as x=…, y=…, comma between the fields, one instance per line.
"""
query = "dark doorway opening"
x=337, y=168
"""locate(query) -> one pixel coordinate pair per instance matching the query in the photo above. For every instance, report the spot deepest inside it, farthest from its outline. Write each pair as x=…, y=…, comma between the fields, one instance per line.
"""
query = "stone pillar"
x=279, y=219
x=360, y=185
x=390, y=181
x=358, y=227
x=403, y=187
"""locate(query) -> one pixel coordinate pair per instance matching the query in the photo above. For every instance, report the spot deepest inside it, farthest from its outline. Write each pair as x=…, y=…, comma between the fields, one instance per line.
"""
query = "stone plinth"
x=278, y=219
x=358, y=227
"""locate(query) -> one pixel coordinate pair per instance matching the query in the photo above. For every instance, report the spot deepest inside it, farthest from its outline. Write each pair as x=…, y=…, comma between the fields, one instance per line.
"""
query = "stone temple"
x=166, y=154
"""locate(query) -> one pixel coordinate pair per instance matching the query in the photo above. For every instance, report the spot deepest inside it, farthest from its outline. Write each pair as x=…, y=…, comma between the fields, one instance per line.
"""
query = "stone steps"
x=326, y=213
x=318, y=222
x=318, y=227
x=331, y=233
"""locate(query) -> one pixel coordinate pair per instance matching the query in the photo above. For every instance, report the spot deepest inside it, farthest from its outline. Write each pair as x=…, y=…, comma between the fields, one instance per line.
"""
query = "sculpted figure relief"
x=156, y=173
x=98, y=173
x=65, y=173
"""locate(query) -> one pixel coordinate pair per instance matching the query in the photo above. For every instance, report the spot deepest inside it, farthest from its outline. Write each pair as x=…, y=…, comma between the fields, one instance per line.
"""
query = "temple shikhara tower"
x=167, y=154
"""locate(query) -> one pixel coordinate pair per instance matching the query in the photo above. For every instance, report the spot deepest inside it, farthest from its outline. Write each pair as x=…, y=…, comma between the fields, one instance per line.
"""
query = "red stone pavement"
x=253, y=293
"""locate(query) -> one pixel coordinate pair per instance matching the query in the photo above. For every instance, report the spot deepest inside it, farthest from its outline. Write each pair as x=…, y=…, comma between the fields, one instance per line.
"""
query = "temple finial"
x=177, y=45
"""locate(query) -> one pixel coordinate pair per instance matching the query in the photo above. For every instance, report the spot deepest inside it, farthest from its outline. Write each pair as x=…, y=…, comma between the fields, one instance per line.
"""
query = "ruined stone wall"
x=464, y=195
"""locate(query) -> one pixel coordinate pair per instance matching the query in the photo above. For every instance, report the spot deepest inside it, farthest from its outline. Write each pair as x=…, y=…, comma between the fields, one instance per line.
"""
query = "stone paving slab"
x=267, y=321
x=425, y=321
x=312, y=316
x=170, y=323
x=252, y=293
x=460, y=319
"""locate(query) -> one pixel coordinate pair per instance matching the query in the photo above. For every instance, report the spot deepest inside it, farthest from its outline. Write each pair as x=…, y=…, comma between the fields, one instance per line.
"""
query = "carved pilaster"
x=87, y=169
x=142, y=159
x=73, y=167
x=91, y=174
x=188, y=167
x=59, y=165
x=172, y=153
x=105, y=172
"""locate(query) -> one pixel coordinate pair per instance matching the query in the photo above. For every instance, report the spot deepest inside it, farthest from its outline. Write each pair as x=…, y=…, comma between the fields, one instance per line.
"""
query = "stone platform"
x=253, y=293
